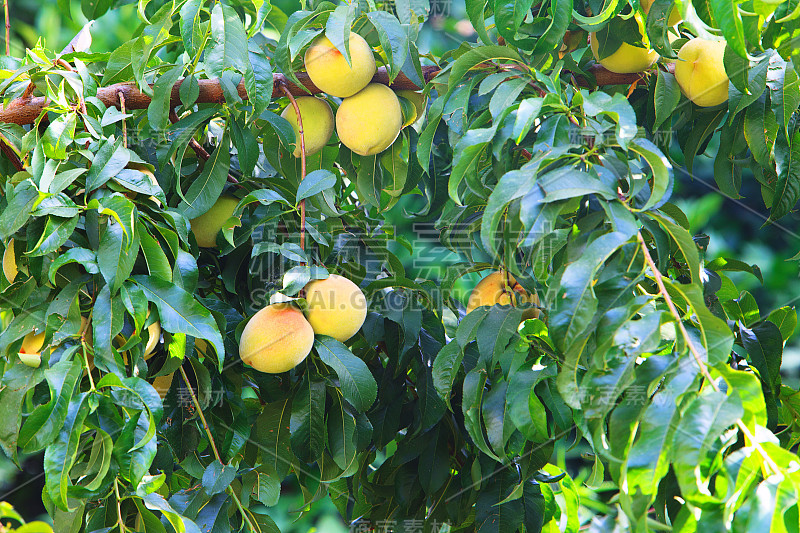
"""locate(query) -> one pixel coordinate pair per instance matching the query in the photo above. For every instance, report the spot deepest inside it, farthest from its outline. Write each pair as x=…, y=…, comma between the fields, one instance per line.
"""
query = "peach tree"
x=157, y=196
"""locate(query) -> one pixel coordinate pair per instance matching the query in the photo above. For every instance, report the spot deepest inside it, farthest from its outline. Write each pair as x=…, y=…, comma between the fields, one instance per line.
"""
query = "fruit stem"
x=291, y=98
x=214, y=446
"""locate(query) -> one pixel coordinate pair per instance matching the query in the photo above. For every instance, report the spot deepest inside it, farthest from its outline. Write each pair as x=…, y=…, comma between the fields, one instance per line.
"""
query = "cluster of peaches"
x=370, y=117
x=699, y=70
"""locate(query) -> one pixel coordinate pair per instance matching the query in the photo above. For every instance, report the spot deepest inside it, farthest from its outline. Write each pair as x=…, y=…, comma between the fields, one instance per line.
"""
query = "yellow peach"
x=329, y=70
x=700, y=72
x=369, y=121
x=501, y=288
x=317, y=123
x=276, y=339
x=336, y=307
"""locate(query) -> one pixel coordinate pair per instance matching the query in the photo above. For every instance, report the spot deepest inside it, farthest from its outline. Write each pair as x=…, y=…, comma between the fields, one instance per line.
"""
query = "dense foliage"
x=529, y=159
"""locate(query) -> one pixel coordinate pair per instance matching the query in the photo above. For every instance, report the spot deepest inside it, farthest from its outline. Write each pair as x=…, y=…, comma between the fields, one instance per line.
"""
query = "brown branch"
x=291, y=98
x=26, y=109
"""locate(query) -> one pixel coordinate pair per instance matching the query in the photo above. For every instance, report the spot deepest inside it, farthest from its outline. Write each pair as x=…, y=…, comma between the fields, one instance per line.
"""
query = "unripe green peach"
x=627, y=59
x=208, y=225
x=329, y=70
x=368, y=122
x=336, y=307
x=700, y=72
x=497, y=289
x=317, y=123
x=276, y=339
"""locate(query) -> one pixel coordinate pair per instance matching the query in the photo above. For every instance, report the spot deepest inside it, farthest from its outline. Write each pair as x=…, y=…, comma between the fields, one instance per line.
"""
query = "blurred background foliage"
x=733, y=226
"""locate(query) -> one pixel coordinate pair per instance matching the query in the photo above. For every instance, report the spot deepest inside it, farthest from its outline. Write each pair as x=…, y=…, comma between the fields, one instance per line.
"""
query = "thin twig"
x=8, y=28
x=662, y=289
x=197, y=147
x=193, y=144
x=291, y=98
x=124, y=127
x=214, y=445
x=120, y=522
x=200, y=414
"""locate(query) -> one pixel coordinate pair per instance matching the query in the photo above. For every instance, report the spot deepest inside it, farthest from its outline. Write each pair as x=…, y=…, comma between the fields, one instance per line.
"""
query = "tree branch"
x=26, y=109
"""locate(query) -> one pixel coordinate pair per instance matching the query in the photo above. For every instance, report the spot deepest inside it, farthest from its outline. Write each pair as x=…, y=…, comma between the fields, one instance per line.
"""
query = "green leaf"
x=59, y=135
x=475, y=57
x=356, y=381
x=307, y=420
x=729, y=20
x=272, y=436
x=341, y=435
x=116, y=256
x=513, y=185
x=648, y=459
x=44, y=424
x=60, y=456
x=109, y=161
x=787, y=189
x=523, y=406
x=476, y=13
x=258, y=82
x=509, y=16
x=393, y=38
x=685, y=243
x=191, y=26
x=575, y=302
x=217, y=477
x=16, y=213
x=179, y=312
x=56, y=232
x=160, y=106
x=667, y=95
x=707, y=417
x=764, y=345
x=786, y=320
x=315, y=182
x=16, y=381
x=445, y=368
x=760, y=130
x=228, y=46
x=661, y=168
x=560, y=16
x=206, y=189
